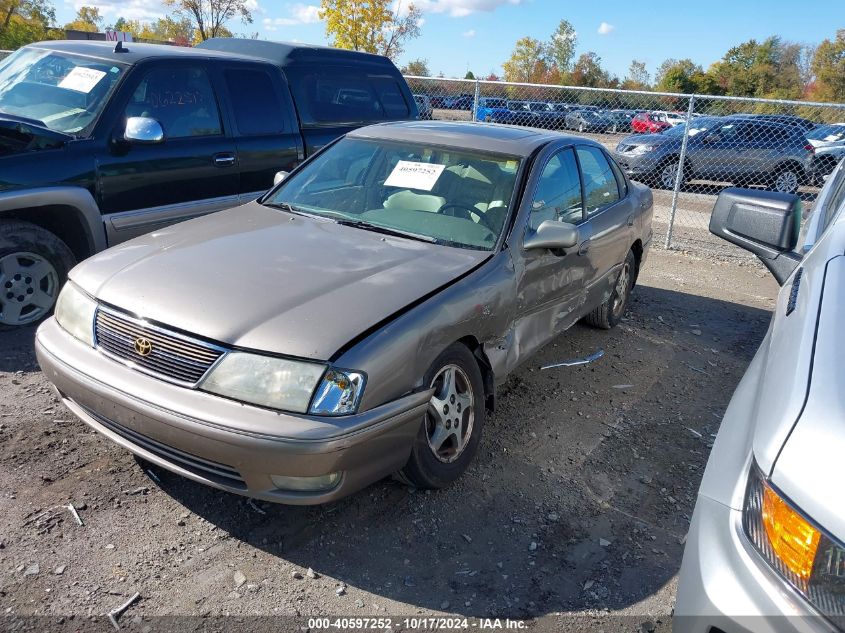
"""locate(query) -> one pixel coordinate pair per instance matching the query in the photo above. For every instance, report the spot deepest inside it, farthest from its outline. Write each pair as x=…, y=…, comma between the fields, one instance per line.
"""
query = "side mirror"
x=552, y=234
x=143, y=130
x=765, y=223
x=280, y=176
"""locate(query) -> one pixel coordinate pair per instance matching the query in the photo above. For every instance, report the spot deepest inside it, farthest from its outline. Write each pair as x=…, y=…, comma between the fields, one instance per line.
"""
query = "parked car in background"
x=295, y=397
x=520, y=113
x=492, y=110
x=588, y=121
x=732, y=149
x=620, y=119
x=648, y=123
x=102, y=142
x=827, y=135
x=672, y=118
x=765, y=549
x=424, y=107
x=459, y=102
x=785, y=119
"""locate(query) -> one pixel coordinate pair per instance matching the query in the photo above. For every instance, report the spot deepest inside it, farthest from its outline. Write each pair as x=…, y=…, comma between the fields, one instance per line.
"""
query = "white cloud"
x=298, y=14
x=470, y=33
x=605, y=28
x=461, y=8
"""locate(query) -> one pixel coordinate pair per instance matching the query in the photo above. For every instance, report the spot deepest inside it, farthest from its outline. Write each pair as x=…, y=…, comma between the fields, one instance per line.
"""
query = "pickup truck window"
x=181, y=99
x=255, y=102
x=391, y=98
x=55, y=90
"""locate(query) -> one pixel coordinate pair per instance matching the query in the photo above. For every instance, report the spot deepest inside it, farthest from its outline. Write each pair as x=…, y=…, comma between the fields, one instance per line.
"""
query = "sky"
x=479, y=35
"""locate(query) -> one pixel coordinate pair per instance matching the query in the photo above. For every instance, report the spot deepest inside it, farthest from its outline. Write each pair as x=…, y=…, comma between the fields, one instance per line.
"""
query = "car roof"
x=485, y=137
x=133, y=52
x=292, y=53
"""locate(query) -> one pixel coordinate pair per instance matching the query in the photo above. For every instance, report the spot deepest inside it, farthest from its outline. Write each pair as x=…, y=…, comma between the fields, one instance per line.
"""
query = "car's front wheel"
x=786, y=180
x=448, y=437
x=33, y=266
x=609, y=313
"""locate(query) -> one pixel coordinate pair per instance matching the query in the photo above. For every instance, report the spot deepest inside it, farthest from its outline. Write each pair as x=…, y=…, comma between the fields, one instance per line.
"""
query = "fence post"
x=475, y=101
x=679, y=177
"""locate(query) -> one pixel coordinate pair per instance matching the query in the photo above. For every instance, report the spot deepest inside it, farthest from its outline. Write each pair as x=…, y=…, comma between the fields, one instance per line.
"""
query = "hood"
x=268, y=280
x=643, y=139
x=809, y=467
x=18, y=136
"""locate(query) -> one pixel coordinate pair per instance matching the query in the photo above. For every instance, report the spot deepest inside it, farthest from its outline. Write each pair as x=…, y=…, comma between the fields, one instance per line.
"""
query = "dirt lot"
x=578, y=503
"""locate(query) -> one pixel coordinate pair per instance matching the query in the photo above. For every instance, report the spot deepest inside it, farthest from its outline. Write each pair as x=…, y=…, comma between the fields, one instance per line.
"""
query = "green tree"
x=87, y=19
x=638, y=77
x=676, y=75
x=528, y=62
x=373, y=26
x=417, y=68
x=561, y=47
x=208, y=17
x=469, y=75
x=26, y=21
x=828, y=66
x=771, y=68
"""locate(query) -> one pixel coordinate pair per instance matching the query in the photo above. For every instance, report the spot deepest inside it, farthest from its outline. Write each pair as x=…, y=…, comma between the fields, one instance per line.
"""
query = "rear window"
x=346, y=95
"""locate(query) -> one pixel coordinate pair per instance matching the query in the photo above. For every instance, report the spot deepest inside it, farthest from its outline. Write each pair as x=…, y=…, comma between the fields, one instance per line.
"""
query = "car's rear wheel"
x=667, y=175
x=608, y=314
x=34, y=264
x=787, y=179
x=448, y=437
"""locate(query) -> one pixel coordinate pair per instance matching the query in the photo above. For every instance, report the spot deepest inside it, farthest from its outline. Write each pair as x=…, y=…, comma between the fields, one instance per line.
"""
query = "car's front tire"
x=608, y=314
x=448, y=437
x=34, y=264
x=787, y=179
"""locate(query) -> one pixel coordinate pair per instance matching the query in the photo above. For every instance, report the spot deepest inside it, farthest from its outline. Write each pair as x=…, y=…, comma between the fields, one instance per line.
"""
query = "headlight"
x=339, y=393
x=643, y=149
x=277, y=383
x=798, y=550
x=75, y=312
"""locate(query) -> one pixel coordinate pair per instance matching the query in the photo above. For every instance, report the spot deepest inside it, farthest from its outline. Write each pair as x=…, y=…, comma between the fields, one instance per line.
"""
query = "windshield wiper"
x=290, y=208
x=378, y=228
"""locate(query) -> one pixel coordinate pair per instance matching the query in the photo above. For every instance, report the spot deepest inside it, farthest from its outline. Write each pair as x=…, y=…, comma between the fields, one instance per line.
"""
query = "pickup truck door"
x=192, y=172
x=267, y=137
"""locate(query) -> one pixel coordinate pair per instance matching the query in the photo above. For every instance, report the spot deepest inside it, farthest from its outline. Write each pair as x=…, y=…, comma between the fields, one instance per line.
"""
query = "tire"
x=608, y=314
x=787, y=179
x=34, y=264
x=425, y=469
x=581, y=128
x=666, y=175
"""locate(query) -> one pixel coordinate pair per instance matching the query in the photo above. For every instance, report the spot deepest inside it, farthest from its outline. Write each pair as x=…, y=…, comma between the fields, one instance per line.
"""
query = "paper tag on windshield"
x=82, y=79
x=413, y=175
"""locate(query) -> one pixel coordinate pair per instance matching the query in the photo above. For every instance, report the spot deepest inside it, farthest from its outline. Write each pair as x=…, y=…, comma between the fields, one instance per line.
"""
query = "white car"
x=766, y=544
x=672, y=118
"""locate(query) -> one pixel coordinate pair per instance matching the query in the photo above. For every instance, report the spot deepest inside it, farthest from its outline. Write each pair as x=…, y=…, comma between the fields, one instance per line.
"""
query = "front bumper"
x=637, y=166
x=725, y=585
x=223, y=443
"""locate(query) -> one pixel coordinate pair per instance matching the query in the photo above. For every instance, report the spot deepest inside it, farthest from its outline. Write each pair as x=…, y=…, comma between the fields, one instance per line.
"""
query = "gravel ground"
x=578, y=502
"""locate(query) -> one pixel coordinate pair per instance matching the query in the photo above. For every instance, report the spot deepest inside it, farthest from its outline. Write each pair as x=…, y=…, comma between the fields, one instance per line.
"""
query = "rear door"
x=267, y=138
x=194, y=171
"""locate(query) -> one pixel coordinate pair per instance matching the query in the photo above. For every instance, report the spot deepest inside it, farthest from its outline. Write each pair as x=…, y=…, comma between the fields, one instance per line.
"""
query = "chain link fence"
x=687, y=148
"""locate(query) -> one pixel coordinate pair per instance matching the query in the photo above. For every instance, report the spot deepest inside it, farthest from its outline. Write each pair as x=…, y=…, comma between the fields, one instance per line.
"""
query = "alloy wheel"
x=621, y=290
x=786, y=181
x=669, y=175
x=29, y=285
x=451, y=412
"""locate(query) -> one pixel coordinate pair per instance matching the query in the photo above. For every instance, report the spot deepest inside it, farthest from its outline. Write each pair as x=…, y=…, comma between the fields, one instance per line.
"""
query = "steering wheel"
x=466, y=212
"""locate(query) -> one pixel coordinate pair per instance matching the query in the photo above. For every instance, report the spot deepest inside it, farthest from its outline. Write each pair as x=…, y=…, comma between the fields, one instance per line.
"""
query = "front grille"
x=205, y=468
x=171, y=356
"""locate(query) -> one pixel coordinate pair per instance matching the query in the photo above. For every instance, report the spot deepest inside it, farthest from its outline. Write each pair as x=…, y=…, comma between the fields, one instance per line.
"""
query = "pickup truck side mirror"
x=280, y=176
x=141, y=130
x=765, y=223
x=552, y=234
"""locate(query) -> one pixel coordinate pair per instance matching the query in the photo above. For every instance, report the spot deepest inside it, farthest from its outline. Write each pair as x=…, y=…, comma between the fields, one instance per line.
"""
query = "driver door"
x=551, y=287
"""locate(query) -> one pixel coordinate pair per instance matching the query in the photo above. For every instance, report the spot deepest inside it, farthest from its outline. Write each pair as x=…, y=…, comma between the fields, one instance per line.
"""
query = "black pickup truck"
x=100, y=142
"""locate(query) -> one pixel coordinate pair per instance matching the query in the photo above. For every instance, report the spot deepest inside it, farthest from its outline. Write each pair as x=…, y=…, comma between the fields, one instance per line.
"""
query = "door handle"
x=631, y=219
x=224, y=160
x=584, y=248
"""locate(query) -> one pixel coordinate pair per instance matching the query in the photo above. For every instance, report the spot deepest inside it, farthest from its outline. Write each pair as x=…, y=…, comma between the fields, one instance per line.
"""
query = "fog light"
x=306, y=484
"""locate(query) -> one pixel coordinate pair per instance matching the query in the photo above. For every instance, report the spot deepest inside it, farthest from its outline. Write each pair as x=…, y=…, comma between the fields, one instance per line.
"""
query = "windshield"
x=62, y=92
x=448, y=196
x=537, y=106
x=827, y=133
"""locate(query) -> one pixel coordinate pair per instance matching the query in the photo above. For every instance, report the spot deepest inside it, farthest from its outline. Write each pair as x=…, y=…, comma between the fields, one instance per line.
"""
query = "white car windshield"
x=450, y=196
x=56, y=90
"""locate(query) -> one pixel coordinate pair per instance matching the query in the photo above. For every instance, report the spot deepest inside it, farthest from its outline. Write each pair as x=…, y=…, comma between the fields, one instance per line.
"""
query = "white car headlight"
x=643, y=149
x=75, y=312
x=339, y=393
x=277, y=383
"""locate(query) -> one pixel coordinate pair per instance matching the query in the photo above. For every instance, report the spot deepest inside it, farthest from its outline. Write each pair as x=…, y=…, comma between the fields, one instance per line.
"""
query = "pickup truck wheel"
x=34, y=264
x=448, y=437
x=608, y=314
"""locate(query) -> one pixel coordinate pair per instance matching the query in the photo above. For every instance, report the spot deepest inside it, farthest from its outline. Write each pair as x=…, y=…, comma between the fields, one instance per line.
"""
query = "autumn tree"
x=372, y=26
x=561, y=47
x=87, y=19
x=677, y=75
x=828, y=67
x=417, y=68
x=25, y=21
x=588, y=71
x=638, y=77
x=208, y=17
x=528, y=62
x=177, y=31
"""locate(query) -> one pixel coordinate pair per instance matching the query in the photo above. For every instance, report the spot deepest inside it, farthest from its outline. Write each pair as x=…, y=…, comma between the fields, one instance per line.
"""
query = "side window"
x=620, y=178
x=336, y=96
x=391, y=98
x=255, y=102
x=600, y=187
x=558, y=192
x=181, y=99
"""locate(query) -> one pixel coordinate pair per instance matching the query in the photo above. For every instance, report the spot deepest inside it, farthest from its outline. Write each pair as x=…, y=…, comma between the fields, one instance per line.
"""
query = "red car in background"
x=648, y=123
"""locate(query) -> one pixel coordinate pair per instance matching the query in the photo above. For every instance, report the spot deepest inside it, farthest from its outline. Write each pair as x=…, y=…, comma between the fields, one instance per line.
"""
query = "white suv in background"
x=766, y=546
